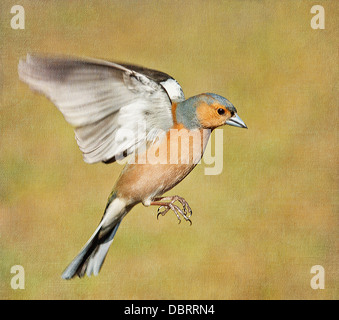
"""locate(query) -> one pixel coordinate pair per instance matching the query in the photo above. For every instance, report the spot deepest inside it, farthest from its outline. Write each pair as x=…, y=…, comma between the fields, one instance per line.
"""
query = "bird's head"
x=214, y=111
x=209, y=111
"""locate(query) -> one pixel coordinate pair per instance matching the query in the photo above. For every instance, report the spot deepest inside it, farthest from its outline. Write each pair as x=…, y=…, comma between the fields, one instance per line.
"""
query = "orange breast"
x=163, y=165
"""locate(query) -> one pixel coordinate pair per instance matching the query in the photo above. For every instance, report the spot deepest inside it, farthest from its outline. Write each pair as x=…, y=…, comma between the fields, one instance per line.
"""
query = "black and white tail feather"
x=91, y=257
x=93, y=254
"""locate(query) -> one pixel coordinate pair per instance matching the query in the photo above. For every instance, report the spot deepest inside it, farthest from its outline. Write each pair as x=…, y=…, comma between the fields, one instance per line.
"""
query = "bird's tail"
x=92, y=255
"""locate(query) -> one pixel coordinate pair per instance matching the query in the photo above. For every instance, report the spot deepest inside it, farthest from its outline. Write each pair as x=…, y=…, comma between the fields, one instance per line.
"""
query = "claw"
x=185, y=211
x=161, y=212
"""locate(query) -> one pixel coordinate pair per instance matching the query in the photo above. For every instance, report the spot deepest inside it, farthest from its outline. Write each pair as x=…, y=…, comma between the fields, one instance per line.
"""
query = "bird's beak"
x=236, y=122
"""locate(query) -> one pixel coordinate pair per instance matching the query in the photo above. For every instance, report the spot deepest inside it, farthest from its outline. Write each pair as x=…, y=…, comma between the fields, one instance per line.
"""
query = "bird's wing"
x=113, y=108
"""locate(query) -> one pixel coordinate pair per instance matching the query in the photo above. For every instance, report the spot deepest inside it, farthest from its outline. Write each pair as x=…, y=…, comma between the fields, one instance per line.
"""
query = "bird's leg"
x=185, y=212
x=186, y=208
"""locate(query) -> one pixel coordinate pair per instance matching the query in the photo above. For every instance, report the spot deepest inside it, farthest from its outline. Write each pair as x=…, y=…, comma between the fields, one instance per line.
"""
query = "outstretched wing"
x=113, y=108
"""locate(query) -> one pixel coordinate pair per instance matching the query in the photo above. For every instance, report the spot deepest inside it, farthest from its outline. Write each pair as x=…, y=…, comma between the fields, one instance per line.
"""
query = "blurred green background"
x=258, y=227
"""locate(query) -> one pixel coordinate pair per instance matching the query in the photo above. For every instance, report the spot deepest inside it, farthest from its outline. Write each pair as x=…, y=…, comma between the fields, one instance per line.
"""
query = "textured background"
x=258, y=227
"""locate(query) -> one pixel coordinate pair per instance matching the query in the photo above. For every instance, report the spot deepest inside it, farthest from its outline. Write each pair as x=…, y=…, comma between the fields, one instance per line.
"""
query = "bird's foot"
x=184, y=211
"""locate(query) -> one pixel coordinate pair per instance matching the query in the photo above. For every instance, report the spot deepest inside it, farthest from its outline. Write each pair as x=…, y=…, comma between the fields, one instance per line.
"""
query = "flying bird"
x=120, y=110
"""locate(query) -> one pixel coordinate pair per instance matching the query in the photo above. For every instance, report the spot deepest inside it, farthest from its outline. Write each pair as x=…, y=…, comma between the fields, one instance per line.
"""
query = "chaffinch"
x=107, y=104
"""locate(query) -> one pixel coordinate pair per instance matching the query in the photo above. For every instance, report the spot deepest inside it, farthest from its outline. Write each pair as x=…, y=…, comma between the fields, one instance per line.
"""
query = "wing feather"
x=113, y=108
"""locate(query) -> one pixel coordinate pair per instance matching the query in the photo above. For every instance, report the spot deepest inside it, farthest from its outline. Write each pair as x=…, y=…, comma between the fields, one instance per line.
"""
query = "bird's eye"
x=221, y=111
